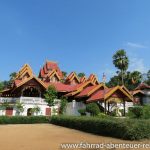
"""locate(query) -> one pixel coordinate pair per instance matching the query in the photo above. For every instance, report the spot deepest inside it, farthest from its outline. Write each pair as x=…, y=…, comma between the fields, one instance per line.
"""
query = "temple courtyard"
x=48, y=137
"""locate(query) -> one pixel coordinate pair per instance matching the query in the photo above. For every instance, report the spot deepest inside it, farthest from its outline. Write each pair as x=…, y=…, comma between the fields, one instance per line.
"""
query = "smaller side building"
x=141, y=94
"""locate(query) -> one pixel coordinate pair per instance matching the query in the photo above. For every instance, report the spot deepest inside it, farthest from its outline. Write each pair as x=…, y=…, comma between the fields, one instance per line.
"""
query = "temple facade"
x=29, y=90
x=142, y=94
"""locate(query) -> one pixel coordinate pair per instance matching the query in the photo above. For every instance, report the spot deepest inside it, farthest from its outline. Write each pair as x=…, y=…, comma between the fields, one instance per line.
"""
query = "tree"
x=114, y=81
x=19, y=107
x=147, y=80
x=132, y=80
x=93, y=109
x=64, y=74
x=12, y=76
x=36, y=110
x=50, y=96
x=1, y=86
x=121, y=61
x=81, y=74
x=7, y=84
x=63, y=105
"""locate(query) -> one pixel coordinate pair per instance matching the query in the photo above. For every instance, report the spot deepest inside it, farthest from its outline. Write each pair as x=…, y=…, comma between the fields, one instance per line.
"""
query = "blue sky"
x=81, y=35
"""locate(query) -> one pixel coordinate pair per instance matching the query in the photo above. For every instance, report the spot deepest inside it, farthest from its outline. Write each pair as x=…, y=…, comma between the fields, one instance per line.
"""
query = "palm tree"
x=121, y=61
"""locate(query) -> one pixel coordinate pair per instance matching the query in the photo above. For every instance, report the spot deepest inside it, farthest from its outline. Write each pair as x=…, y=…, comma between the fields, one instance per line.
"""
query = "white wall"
x=73, y=107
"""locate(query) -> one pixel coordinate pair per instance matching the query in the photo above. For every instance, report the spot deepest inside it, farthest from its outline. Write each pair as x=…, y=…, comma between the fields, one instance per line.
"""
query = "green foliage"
x=82, y=112
x=146, y=112
x=50, y=96
x=23, y=119
x=1, y=86
x=129, y=129
x=54, y=111
x=81, y=74
x=114, y=81
x=102, y=115
x=36, y=110
x=121, y=61
x=139, y=112
x=131, y=80
x=135, y=112
x=4, y=105
x=19, y=107
x=12, y=76
x=147, y=80
x=64, y=74
x=7, y=84
x=93, y=109
x=63, y=105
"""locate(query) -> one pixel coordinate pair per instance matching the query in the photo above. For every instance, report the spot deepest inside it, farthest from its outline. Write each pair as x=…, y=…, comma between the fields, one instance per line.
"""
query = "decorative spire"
x=104, y=78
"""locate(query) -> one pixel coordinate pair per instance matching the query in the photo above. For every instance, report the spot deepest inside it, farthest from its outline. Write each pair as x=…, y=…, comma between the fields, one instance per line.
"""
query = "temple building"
x=29, y=90
x=141, y=94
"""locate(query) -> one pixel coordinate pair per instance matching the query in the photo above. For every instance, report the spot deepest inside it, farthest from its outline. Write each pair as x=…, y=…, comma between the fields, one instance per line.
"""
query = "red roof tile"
x=54, y=65
x=99, y=95
x=86, y=91
x=16, y=82
x=83, y=79
x=71, y=77
x=60, y=87
x=142, y=86
x=49, y=66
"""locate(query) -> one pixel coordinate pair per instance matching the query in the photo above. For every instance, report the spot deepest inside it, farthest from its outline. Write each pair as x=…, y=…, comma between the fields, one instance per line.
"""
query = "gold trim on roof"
x=25, y=69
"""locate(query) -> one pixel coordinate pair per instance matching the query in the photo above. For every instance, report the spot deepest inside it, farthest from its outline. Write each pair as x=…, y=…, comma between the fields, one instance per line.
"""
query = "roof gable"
x=25, y=72
x=72, y=76
x=29, y=79
x=105, y=94
x=93, y=78
x=143, y=86
x=78, y=88
x=90, y=90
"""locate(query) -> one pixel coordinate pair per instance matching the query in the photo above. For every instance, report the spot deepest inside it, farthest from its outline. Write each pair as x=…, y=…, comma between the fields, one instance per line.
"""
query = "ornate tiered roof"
x=48, y=68
x=25, y=72
x=72, y=86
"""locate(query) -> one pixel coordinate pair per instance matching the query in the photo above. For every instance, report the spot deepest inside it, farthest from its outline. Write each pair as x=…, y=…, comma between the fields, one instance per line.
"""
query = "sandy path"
x=46, y=137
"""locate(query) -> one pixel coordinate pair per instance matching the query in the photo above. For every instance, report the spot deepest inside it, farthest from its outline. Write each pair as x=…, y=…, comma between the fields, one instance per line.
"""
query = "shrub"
x=63, y=105
x=135, y=112
x=93, y=109
x=23, y=119
x=102, y=115
x=146, y=112
x=130, y=129
x=82, y=112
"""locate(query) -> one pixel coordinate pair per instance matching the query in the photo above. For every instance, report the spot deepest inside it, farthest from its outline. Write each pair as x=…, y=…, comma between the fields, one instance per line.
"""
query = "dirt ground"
x=47, y=137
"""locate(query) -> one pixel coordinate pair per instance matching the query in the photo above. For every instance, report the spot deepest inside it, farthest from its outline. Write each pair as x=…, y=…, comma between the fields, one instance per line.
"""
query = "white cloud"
x=135, y=45
x=137, y=64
